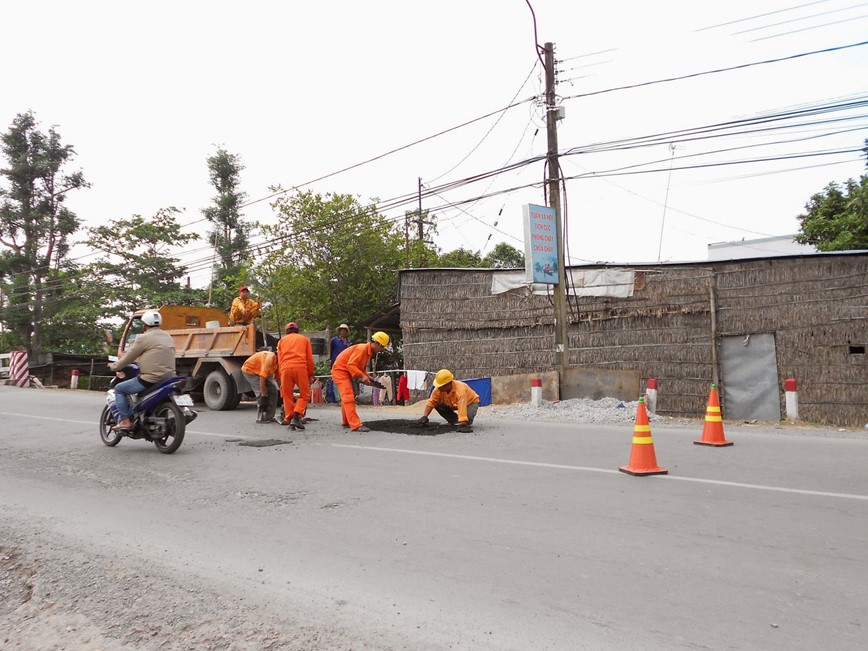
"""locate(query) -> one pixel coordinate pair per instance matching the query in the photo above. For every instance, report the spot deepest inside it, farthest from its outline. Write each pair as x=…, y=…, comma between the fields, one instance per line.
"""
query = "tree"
x=460, y=258
x=230, y=235
x=137, y=268
x=35, y=226
x=504, y=256
x=333, y=260
x=836, y=218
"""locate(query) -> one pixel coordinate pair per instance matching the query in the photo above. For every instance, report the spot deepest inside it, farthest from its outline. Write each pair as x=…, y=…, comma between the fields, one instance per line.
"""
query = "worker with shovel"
x=453, y=399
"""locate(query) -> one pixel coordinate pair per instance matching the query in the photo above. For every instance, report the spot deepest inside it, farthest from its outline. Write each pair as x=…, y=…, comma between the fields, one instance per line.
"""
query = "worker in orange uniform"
x=259, y=370
x=244, y=309
x=453, y=399
x=295, y=359
x=351, y=364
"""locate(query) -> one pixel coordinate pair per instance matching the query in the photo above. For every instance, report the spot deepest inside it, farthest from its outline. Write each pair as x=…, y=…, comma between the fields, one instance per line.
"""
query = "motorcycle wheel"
x=175, y=426
x=106, y=428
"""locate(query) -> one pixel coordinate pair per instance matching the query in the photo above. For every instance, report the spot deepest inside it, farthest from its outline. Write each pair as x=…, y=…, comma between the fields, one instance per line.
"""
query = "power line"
x=796, y=20
x=716, y=71
x=768, y=13
x=796, y=31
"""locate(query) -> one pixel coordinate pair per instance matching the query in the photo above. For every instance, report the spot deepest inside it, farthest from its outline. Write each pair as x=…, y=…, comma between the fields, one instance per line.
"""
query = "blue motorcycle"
x=160, y=414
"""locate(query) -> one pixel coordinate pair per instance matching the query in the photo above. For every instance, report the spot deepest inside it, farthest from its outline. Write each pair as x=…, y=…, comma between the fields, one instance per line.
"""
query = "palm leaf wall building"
x=749, y=324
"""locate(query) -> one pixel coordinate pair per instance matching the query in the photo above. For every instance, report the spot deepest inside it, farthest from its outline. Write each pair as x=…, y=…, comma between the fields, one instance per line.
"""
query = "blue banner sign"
x=540, y=245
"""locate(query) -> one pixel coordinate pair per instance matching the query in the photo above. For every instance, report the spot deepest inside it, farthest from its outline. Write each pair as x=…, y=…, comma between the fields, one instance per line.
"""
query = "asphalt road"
x=518, y=536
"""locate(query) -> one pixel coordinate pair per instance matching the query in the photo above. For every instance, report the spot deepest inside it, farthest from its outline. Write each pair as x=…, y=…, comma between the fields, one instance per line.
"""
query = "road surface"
x=518, y=536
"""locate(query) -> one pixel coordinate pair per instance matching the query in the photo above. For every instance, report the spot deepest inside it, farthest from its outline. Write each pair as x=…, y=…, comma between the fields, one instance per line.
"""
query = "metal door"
x=750, y=378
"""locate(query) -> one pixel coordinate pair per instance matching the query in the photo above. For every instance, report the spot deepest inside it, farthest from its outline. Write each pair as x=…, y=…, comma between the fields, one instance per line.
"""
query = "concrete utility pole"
x=562, y=344
x=421, y=223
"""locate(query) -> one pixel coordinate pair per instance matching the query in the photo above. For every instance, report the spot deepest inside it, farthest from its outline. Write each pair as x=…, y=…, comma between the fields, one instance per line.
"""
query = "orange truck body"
x=207, y=351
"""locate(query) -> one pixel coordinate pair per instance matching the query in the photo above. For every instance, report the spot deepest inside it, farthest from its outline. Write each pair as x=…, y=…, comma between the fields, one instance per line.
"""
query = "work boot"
x=296, y=422
x=361, y=428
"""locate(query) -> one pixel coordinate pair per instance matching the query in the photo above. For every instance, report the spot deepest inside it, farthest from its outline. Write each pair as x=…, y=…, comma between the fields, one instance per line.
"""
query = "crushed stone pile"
x=578, y=410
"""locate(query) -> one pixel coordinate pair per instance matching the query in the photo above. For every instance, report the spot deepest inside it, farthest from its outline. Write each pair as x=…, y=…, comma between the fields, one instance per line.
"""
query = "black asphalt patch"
x=396, y=426
x=264, y=443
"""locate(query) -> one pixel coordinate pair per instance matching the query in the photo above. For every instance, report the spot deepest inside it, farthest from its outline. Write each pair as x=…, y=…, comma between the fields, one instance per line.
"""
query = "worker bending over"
x=453, y=399
x=259, y=370
x=295, y=360
x=351, y=364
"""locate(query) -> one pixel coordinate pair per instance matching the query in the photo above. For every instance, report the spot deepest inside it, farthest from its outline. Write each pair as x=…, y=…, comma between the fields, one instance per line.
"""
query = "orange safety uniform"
x=263, y=364
x=243, y=312
x=295, y=359
x=459, y=396
x=349, y=364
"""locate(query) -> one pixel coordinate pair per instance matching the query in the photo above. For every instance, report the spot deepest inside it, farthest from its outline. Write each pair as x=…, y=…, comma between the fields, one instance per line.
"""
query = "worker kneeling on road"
x=453, y=399
x=259, y=371
x=295, y=359
x=349, y=364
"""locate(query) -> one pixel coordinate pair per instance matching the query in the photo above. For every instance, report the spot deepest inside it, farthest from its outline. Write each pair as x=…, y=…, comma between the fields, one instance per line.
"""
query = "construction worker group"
x=292, y=366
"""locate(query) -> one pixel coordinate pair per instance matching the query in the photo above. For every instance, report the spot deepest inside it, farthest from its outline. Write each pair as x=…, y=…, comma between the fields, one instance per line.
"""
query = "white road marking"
x=558, y=466
x=95, y=423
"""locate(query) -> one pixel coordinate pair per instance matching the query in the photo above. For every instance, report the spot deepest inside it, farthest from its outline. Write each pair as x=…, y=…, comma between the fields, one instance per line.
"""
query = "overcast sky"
x=147, y=91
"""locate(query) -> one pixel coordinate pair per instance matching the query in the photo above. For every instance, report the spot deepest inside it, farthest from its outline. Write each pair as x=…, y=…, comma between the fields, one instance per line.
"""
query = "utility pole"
x=421, y=223
x=562, y=344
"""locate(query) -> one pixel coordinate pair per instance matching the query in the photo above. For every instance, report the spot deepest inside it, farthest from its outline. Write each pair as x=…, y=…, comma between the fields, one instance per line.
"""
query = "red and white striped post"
x=73, y=380
x=651, y=395
x=791, y=398
x=536, y=392
x=19, y=374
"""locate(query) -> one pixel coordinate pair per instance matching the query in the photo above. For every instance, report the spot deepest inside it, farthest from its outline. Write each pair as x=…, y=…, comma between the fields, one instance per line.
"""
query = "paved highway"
x=519, y=536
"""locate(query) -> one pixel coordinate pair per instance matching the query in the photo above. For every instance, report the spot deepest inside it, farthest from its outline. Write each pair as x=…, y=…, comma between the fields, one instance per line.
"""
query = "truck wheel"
x=219, y=391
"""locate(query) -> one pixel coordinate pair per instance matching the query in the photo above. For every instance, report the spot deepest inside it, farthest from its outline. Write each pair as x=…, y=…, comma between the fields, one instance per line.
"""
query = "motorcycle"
x=161, y=413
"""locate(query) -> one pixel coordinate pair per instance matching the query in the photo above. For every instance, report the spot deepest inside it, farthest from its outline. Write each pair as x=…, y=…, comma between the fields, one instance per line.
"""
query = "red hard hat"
x=243, y=288
x=292, y=325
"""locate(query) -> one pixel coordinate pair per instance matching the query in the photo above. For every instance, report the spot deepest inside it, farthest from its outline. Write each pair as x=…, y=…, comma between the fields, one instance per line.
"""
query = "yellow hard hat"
x=444, y=376
x=381, y=338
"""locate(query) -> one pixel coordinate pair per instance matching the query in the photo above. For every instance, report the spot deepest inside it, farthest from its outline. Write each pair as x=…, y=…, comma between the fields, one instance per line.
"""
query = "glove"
x=378, y=385
x=421, y=422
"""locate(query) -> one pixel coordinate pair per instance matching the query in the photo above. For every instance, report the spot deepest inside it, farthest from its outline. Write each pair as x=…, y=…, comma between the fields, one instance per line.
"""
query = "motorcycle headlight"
x=110, y=397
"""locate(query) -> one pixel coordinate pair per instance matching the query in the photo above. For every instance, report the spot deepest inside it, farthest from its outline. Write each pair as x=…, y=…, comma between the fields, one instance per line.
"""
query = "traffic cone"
x=643, y=461
x=712, y=433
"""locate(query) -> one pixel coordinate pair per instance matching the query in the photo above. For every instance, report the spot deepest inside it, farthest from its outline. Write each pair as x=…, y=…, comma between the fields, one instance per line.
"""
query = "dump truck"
x=209, y=352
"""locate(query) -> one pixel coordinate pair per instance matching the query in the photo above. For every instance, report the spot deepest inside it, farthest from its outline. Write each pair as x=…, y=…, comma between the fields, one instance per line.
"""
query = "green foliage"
x=837, y=218
x=35, y=226
x=230, y=235
x=334, y=261
x=504, y=256
x=137, y=269
x=460, y=258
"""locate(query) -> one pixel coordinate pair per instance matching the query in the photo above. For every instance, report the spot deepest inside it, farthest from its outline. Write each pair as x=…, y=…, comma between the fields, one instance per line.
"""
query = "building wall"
x=816, y=307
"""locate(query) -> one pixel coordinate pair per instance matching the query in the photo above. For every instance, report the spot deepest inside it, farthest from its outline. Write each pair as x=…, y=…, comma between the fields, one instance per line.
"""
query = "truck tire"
x=219, y=391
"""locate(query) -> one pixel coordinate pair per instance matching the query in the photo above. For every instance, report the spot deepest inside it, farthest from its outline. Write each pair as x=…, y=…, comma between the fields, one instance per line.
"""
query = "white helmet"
x=152, y=318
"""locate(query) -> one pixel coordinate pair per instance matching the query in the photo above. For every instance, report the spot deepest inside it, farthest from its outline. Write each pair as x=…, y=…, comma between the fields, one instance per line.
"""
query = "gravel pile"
x=579, y=410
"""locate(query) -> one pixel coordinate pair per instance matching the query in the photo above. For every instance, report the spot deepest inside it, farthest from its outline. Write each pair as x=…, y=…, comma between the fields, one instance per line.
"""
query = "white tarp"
x=593, y=282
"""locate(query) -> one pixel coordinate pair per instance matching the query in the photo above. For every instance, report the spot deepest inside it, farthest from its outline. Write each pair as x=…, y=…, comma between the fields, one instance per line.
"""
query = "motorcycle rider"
x=154, y=350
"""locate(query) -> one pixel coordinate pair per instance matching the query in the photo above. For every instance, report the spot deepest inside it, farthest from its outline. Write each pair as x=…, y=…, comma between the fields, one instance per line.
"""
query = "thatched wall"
x=815, y=306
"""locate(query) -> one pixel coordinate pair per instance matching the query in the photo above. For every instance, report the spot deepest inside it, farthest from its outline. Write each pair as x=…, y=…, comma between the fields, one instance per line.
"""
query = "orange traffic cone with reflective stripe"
x=712, y=433
x=643, y=461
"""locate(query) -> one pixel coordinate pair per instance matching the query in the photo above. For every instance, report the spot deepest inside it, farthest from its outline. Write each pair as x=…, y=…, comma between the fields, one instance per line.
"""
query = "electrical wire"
x=716, y=71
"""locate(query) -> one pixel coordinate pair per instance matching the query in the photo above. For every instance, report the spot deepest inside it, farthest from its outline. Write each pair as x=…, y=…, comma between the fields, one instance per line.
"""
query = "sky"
x=145, y=92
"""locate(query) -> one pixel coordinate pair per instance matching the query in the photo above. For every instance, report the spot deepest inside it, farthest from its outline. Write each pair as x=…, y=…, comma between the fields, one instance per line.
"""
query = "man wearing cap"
x=295, y=360
x=338, y=344
x=244, y=309
x=454, y=400
x=351, y=364
x=259, y=371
